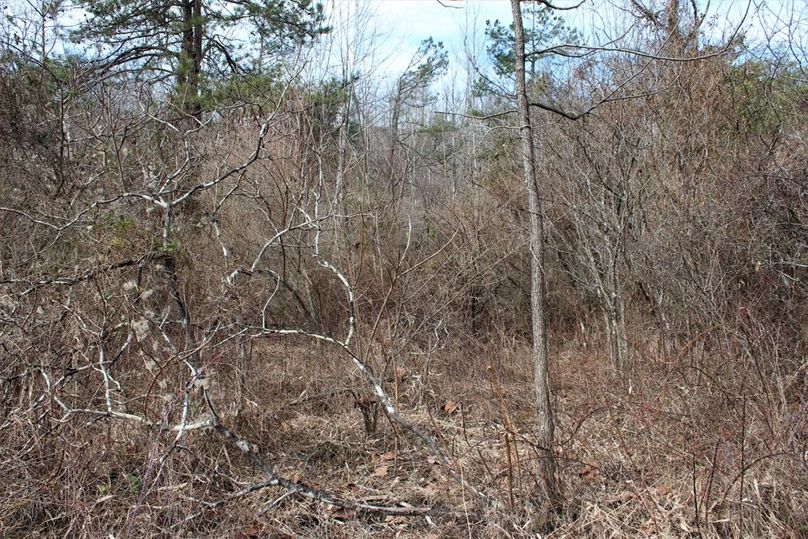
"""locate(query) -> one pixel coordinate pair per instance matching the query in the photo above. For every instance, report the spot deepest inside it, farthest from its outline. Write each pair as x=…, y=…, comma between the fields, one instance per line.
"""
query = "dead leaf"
x=342, y=514
x=401, y=374
x=591, y=472
x=390, y=455
x=251, y=532
x=380, y=471
x=450, y=407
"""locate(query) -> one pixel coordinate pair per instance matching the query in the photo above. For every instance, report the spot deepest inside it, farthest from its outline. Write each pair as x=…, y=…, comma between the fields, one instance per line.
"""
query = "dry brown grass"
x=666, y=459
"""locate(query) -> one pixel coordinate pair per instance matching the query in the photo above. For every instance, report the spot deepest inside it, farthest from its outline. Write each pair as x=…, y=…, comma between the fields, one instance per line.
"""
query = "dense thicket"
x=342, y=300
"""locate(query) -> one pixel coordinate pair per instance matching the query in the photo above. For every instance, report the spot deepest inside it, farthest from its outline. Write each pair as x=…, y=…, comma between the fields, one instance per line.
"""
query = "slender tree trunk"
x=615, y=317
x=394, y=136
x=338, y=208
x=615, y=333
x=544, y=412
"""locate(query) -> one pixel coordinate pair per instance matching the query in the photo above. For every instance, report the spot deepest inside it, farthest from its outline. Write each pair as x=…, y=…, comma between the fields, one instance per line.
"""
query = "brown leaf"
x=380, y=471
x=251, y=532
x=401, y=374
x=390, y=455
x=591, y=472
x=430, y=490
x=342, y=514
x=450, y=407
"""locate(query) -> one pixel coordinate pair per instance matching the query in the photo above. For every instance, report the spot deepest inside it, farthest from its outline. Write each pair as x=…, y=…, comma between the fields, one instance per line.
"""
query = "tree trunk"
x=394, y=135
x=616, y=335
x=614, y=313
x=190, y=68
x=544, y=412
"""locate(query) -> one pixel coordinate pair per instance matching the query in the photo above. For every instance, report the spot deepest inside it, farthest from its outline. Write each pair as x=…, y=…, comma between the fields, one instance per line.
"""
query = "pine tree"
x=192, y=41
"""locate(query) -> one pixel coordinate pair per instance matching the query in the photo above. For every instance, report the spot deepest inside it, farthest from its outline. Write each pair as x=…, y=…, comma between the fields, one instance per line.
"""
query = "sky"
x=379, y=37
x=398, y=26
x=444, y=19
x=413, y=20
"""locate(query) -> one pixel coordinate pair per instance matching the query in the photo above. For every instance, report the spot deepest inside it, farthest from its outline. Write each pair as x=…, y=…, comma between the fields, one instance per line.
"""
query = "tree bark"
x=544, y=413
x=191, y=56
x=394, y=136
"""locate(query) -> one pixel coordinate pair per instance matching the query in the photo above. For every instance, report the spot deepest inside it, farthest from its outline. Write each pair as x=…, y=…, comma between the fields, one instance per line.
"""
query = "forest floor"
x=662, y=456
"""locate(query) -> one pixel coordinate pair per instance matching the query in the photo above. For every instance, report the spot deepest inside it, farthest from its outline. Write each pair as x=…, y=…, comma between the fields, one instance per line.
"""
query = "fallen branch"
x=250, y=450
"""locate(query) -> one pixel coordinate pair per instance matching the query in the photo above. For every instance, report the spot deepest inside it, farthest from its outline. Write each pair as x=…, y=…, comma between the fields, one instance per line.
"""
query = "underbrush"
x=681, y=449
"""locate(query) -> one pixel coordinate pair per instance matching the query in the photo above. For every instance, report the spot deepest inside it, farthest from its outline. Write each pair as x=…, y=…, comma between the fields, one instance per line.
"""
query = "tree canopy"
x=544, y=33
x=190, y=41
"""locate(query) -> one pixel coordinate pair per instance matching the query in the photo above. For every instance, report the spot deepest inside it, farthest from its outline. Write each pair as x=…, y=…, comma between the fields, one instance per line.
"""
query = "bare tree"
x=545, y=432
